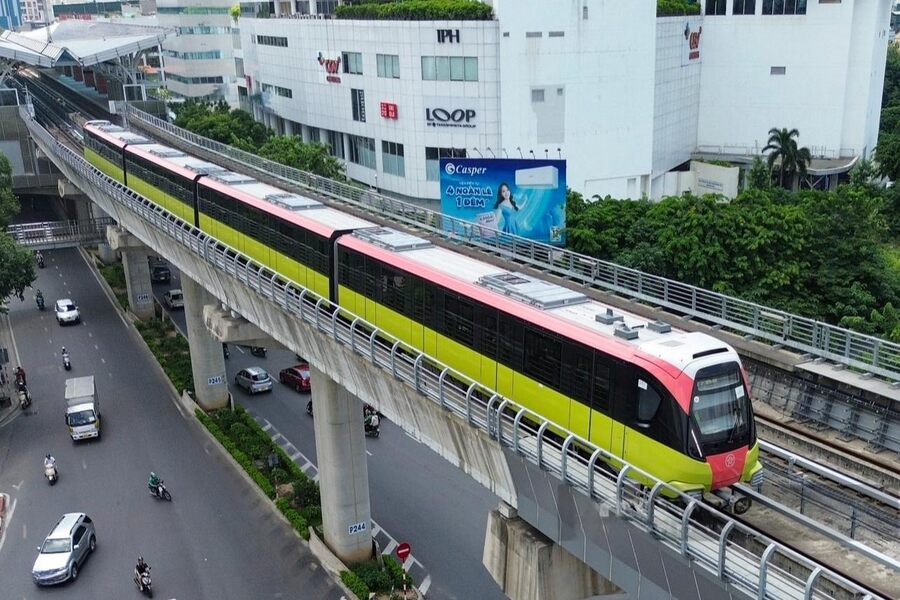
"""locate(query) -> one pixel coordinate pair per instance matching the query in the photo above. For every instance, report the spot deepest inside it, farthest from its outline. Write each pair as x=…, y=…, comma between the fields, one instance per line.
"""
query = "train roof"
x=551, y=306
x=115, y=134
x=296, y=208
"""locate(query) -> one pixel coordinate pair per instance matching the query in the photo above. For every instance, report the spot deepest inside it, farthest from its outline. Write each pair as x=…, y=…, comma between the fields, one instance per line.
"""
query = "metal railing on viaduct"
x=606, y=513
x=864, y=352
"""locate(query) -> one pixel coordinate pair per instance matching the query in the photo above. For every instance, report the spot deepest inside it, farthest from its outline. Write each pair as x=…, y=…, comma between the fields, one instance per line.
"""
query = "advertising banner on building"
x=525, y=197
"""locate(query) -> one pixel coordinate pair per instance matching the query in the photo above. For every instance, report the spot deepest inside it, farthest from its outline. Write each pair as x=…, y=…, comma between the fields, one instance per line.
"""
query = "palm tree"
x=783, y=146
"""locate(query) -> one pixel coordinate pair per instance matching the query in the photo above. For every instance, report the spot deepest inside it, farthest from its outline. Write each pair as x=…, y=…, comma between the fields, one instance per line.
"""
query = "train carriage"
x=673, y=403
x=289, y=233
x=104, y=147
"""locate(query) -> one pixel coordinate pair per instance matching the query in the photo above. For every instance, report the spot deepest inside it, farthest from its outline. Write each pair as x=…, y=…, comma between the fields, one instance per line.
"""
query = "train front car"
x=671, y=403
x=709, y=386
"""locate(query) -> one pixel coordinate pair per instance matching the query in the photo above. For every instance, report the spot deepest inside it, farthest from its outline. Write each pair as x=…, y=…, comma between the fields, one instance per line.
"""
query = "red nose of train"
x=727, y=467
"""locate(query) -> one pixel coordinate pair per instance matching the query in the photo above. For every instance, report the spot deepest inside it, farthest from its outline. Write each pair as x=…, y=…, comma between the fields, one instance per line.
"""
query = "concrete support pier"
x=529, y=566
x=343, y=472
x=207, y=360
x=137, y=271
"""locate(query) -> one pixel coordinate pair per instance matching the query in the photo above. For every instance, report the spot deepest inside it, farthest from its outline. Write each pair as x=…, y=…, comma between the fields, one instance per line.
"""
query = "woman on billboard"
x=506, y=210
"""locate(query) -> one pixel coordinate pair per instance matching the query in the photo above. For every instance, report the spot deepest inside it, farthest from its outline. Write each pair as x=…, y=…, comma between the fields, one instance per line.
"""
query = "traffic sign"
x=403, y=551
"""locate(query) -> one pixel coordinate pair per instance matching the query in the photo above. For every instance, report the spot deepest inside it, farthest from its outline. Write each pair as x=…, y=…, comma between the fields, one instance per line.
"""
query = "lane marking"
x=11, y=508
x=103, y=360
x=369, y=453
x=84, y=464
x=16, y=486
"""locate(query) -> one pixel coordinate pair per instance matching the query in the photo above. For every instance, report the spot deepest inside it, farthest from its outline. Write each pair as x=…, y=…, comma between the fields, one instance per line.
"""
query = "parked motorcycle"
x=50, y=472
x=258, y=351
x=142, y=581
x=161, y=492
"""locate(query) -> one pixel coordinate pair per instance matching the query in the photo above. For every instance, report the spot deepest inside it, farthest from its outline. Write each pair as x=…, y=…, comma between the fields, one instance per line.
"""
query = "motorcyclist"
x=49, y=461
x=153, y=482
x=39, y=296
x=20, y=377
x=140, y=569
x=371, y=421
x=40, y=258
x=64, y=353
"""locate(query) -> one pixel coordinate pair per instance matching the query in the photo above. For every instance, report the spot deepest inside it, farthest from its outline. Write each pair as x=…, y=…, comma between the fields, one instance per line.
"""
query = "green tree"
x=291, y=151
x=17, y=270
x=759, y=175
x=782, y=146
x=891, y=95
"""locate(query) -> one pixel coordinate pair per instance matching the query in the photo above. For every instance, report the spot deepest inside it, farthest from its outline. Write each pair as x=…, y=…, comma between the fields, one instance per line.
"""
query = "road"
x=416, y=495
x=217, y=539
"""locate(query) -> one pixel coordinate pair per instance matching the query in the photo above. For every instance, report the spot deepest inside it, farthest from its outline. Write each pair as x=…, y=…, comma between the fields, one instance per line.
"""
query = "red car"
x=296, y=377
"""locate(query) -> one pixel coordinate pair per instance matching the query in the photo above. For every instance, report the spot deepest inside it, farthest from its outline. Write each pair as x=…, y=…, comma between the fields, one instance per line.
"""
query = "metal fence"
x=59, y=234
x=864, y=352
x=708, y=538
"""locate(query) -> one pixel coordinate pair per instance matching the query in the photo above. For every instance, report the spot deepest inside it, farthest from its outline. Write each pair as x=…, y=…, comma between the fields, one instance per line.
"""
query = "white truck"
x=82, y=408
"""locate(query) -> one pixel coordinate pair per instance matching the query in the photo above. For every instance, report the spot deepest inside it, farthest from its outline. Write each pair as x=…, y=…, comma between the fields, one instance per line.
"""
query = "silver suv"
x=65, y=549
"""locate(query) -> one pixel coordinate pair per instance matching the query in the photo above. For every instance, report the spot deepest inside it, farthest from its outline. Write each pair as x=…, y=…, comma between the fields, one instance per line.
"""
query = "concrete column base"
x=343, y=471
x=529, y=566
x=137, y=278
x=207, y=360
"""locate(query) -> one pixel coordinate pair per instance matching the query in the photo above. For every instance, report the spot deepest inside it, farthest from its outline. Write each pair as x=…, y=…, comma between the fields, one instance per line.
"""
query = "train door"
x=622, y=408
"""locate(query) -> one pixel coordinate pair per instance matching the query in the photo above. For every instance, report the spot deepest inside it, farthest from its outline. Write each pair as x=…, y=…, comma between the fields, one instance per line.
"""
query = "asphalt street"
x=217, y=539
x=416, y=495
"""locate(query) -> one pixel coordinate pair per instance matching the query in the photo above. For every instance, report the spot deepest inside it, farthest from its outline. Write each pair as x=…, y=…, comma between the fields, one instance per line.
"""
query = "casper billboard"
x=525, y=197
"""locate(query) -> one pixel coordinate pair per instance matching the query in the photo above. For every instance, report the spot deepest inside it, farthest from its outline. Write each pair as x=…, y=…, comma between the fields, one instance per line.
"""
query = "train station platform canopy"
x=79, y=43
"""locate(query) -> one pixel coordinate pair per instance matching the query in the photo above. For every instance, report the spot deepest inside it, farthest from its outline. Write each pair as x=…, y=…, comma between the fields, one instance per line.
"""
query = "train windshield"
x=720, y=409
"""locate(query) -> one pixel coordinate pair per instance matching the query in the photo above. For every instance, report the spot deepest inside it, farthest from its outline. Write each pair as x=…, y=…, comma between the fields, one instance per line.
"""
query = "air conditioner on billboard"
x=545, y=178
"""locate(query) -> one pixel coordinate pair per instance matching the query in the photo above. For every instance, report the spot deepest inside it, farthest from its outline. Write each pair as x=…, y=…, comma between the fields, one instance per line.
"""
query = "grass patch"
x=114, y=275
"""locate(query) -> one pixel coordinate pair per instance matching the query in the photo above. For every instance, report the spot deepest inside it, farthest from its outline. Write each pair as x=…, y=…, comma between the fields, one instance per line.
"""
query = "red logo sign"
x=730, y=460
x=388, y=110
x=331, y=66
x=693, y=40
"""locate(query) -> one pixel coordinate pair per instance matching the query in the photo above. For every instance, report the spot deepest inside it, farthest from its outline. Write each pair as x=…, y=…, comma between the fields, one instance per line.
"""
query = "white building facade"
x=625, y=97
x=199, y=61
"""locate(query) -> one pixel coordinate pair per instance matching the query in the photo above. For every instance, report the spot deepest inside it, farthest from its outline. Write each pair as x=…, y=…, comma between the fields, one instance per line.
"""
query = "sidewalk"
x=9, y=405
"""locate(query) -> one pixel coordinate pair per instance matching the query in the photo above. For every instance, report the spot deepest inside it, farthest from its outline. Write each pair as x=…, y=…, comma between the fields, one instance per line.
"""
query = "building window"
x=584, y=13
x=358, y=99
x=326, y=7
x=335, y=142
x=743, y=7
x=210, y=55
x=194, y=80
x=314, y=136
x=433, y=158
x=784, y=7
x=537, y=96
x=534, y=34
x=284, y=92
x=715, y=7
x=392, y=161
x=777, y=70
x=449, y=68
x=362, y=151
x=557, y=34
x=388, y=66
x=203, y=30
x=271, y=40
x=352, y=62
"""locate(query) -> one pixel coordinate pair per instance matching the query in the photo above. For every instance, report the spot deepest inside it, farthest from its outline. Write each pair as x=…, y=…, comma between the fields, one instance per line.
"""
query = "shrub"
x=376, y=579
x=280, y=475
x=306, y=492
x=674, y=8
x=355, y=584
x=398, y=576
x=297, y=521
x=238, y=430
x=417, y=10
x=312, y=514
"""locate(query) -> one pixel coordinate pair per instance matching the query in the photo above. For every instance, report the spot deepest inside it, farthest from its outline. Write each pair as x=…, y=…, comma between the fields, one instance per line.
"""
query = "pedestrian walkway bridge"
x=646, y=545
x=50, y=235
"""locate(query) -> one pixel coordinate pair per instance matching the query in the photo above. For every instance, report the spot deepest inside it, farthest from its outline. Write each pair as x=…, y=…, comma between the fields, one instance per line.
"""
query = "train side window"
x=458, y=315
x=416, y=298
x=648, y=401
x=543, y=355
x=576, y=372
x=372, y=272
x=433, y=306
x=486, y=330
x=601, y=385
x=512, y=334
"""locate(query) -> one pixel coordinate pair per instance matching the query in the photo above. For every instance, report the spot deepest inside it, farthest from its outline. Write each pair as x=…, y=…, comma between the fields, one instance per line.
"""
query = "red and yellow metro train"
x=672, y=403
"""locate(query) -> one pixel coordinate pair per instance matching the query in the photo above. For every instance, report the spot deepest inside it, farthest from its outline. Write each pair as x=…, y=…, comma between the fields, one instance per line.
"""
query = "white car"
x=174, y=298
x=67, y=312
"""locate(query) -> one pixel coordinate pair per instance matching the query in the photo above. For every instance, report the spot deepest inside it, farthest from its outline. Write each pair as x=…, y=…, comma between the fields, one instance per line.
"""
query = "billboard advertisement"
x=525, y=197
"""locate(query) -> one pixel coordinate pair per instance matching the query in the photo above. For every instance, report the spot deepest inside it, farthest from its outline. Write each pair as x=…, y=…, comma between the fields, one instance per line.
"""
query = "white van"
x=82, y=408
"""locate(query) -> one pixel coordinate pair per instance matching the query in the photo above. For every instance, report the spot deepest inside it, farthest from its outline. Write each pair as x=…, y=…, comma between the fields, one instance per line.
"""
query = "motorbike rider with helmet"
x=140, y=570
x=153, y=483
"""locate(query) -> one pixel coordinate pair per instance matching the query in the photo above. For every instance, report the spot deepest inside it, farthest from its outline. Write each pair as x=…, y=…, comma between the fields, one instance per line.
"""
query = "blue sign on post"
x=525, y=197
